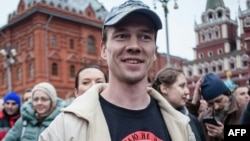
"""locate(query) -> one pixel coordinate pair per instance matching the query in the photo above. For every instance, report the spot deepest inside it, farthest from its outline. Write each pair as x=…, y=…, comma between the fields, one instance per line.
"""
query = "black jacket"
x=195, y=124
x=246, y=116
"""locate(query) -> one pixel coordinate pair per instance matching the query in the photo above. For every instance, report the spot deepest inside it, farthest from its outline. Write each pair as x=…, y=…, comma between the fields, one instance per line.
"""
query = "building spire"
x=239, y=8
x=213, y=4
x=248, y=4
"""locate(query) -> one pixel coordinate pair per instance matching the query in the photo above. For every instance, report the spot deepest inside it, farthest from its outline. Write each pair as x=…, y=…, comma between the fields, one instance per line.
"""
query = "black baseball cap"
x=130, y=6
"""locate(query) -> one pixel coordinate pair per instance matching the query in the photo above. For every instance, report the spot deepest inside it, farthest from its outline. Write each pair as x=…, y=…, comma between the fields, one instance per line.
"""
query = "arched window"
x=206, y=67
x=53, y=40
x=209, y=36
x=30, y=42
x=247, y=22
x=219, y=14
x=19, y=74
x=210, y=16
x=200, y=71
x=72, y=71
x=31, y=71
x=203, y=37
x=71, y=44
x=18, y=47
x=91, y=45
x=220, y=66
x=216, y=32
x=201, y=56
x=232, y=63
x=244, y=60
x=213, y=66
x=210, y=53
x=4, y=80
x=54, y=69
x=189, y=71
x=219, y=51
x=206, y=70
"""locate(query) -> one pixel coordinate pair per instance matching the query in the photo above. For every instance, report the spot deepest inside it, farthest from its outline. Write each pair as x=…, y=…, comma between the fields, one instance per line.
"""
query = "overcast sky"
x=180, y=21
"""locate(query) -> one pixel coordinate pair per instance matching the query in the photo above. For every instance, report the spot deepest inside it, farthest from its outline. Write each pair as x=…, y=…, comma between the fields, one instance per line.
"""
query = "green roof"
x=213, y=4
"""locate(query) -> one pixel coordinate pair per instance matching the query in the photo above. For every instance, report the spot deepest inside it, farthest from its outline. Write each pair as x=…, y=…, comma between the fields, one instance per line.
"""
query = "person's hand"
x=215, y=130
x=196, y=94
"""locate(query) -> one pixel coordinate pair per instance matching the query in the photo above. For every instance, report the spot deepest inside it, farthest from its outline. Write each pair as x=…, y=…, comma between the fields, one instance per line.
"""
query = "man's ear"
x=103, y=50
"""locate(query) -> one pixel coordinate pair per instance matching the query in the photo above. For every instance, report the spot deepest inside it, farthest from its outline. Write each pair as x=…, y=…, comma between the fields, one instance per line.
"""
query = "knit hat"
x=47, y=88
x=212, y=86
x=12, y=96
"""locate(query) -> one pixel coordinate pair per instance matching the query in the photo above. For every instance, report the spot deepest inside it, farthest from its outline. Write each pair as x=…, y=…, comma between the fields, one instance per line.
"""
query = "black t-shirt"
x=135, y=125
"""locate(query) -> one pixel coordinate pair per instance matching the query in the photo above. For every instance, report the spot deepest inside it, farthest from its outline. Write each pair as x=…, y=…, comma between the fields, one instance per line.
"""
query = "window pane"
x=91, y=45
x=54, y=69
x=53, y=40
x=72, y=71
x=71, y=44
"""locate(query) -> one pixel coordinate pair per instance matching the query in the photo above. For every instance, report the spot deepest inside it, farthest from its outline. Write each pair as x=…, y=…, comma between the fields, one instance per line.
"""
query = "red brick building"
x=219, y=49
x=53, y=39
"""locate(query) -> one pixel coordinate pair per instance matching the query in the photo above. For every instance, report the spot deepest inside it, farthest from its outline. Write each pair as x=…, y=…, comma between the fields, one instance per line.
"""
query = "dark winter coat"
x=194, y=123
x=7, y=122
x=246, y=115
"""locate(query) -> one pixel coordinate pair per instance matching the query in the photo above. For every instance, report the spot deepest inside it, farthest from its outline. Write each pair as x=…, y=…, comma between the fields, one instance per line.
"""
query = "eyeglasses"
x=42, y=99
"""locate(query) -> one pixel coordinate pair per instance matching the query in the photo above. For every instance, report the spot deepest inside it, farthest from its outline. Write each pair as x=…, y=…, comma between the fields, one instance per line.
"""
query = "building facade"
x=219, y=48
x=53, y=39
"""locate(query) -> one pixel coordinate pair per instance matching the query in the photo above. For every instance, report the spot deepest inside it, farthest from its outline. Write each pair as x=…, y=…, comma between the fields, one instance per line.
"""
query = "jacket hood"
x=87, y=101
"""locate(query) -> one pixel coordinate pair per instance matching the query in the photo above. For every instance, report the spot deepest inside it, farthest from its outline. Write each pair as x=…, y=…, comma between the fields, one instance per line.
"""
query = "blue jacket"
x=27, y=127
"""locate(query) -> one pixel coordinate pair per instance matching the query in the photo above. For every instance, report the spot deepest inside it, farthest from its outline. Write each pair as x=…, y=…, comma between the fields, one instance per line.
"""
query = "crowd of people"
x=124, y=104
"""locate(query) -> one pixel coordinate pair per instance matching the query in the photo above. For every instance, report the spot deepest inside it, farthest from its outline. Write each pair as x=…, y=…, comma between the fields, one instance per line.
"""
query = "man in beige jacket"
x=125, y=109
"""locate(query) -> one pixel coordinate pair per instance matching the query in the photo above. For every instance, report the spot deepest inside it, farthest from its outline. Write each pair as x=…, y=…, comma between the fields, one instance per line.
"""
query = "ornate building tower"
x=53, y=39
x=217, y=33
x=244, y=18
x=217, y=48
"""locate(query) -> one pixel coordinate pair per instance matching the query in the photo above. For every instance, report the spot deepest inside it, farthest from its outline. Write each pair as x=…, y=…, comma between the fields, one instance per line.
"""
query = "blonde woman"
x=36, y=114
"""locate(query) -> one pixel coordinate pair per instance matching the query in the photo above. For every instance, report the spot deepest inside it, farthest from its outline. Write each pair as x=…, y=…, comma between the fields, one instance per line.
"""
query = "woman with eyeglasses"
x=36, y=114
